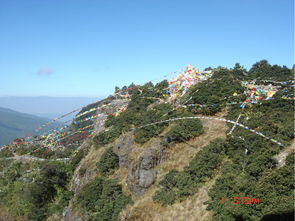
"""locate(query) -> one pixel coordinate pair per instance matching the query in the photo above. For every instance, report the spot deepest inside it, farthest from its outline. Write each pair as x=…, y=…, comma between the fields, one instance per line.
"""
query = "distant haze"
x=45, y=106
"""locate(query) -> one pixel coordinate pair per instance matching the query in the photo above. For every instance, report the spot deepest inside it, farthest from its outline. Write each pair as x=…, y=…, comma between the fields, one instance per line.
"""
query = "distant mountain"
x=44, y=105
x=14, y=124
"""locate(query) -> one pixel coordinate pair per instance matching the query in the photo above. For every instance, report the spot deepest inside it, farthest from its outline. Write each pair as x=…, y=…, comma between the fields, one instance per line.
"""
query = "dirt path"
x=281, y=157
x=29, y=157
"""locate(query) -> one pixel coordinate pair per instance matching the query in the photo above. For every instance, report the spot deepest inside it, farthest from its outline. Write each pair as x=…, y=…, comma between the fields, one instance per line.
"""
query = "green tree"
x=108, y=163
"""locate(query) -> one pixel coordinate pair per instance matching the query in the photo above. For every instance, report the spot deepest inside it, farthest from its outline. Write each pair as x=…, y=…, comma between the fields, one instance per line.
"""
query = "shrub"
x=108, y=163
x=6, y=153
x=264, y=70
x=136, y=115
x=165, y=197
x=275, y=189
x=82, y=171
x=212, y=93
x=178, y=185
x=158, y=113
x=77, y=158
x=106, y=137
x=53, y=179
x=107, y=202
x=185, y=130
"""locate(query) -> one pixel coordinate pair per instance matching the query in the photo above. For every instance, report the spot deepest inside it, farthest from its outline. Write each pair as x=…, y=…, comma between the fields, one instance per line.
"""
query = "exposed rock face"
x=281, y=157
x=142, y=173
x=123, y=147
x=69, y=216
x=78, y=181
x=147, y=177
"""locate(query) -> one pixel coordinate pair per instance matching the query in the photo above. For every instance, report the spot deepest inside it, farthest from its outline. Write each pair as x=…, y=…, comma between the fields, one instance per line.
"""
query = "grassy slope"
x=178, y=156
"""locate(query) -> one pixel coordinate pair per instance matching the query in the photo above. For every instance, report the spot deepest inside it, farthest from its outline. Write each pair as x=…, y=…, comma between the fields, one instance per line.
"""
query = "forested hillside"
x=14, y=124
x=216, y=145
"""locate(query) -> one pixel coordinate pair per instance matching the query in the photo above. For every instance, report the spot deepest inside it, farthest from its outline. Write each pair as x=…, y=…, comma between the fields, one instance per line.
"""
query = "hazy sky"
x=45, y=105
x=87, y=47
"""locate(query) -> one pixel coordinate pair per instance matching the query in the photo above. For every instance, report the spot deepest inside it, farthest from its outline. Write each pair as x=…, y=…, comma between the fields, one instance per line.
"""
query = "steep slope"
x=146, y=160
x=170, y=151
x=177, y=157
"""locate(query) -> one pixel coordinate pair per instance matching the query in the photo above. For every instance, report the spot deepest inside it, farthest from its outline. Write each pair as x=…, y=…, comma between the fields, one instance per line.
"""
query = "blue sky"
x=87, y=47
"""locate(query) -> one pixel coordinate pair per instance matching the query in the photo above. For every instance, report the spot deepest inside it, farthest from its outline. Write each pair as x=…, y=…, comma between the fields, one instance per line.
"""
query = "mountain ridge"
x=177, y=147
x=14, y=124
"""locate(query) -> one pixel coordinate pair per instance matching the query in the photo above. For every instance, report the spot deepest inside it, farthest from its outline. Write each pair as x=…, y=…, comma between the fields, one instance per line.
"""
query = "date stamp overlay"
x=241, y=200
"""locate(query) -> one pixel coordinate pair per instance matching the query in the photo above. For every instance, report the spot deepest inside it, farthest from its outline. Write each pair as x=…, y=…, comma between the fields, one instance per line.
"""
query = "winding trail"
x=29, y=157
x=215, y=118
